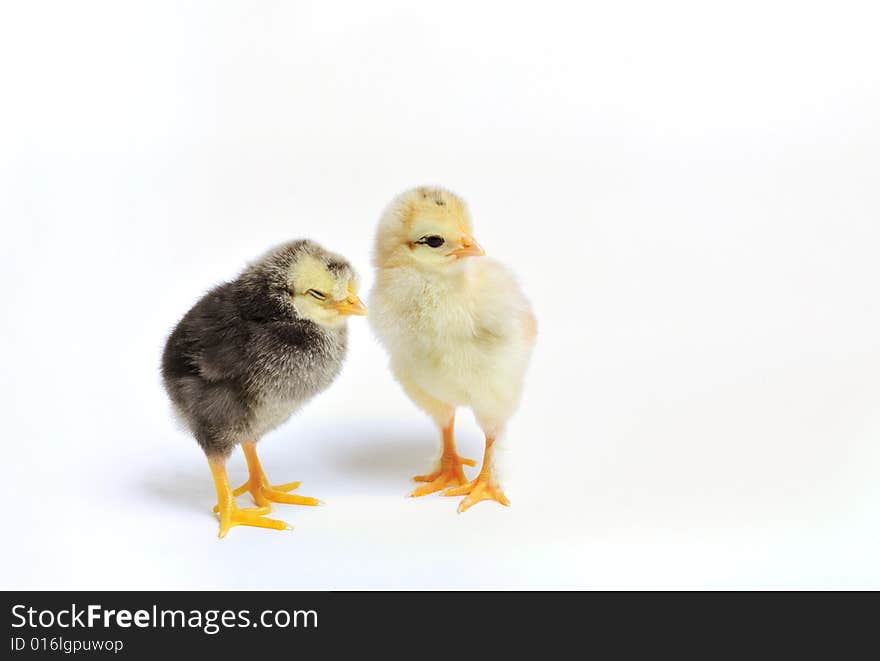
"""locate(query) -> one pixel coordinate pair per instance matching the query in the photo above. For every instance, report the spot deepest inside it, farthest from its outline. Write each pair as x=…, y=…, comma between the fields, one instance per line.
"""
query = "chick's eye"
x=432, y=241
x=316, y=294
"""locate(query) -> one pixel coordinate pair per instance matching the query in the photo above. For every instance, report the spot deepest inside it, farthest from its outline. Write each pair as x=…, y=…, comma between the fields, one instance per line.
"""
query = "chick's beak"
x=351, y=305
x=469, y=248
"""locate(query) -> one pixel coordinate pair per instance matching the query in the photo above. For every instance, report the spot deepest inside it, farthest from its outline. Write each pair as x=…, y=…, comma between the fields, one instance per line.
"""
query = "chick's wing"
x=498, y=305
x=215, y=337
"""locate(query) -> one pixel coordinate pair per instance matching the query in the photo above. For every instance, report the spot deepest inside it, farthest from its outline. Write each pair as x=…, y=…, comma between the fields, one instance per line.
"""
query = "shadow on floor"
x=192, y=489
x=361, y=452
x=383, y=456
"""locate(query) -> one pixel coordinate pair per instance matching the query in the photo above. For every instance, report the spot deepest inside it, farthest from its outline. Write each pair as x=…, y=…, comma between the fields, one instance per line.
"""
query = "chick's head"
x=428, y=228
x=312, y=283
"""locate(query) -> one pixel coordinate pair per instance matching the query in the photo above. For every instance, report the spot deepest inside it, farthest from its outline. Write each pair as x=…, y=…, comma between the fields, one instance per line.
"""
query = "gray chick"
x=253, y=351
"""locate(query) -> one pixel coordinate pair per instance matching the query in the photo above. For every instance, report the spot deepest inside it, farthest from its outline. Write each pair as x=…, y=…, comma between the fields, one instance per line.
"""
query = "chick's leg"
x=450, y=471
x=485, y=487
x=258, y=485
x=231, y=514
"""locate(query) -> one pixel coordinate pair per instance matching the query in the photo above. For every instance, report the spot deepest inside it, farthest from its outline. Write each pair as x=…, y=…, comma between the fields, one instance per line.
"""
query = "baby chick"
x=457, y=327
x=253, y=351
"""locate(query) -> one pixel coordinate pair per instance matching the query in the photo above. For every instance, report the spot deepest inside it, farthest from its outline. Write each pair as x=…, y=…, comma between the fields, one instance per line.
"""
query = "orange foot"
x=449, y=474
x=231, y=515
x=483, y=488
x=264, y=493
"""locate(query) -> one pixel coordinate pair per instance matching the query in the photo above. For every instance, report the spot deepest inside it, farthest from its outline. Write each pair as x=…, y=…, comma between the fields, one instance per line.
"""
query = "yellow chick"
x=458, y=329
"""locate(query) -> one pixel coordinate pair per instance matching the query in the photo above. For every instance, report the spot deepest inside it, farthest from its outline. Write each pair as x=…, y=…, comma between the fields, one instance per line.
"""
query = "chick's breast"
x=464, y=339
x=287, y=367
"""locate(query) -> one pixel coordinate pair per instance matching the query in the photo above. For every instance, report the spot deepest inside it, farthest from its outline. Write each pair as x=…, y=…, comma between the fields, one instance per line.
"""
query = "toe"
x=240, y=490
x=430, y=487
x=290, y=486
x=290, y=498
x=257, y=510
x=467, y=503
x=462, y=490
x=243, y=518
x=476, y=492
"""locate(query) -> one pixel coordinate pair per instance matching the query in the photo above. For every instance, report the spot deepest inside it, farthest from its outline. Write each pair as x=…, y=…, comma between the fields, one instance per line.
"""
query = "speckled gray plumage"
x=242, y=360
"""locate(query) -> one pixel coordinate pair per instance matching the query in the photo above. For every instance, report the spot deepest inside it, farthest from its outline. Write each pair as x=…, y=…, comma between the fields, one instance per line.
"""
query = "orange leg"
x=261, y=491
x=485, y=487
x=231, y=514
x=450, y=471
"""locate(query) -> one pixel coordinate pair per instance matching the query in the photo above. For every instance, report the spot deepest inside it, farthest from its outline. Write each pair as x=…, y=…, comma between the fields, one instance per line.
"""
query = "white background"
x=689, y=194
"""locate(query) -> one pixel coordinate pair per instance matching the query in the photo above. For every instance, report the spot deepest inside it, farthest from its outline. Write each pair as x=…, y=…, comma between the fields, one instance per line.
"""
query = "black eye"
x=316, y=294
x=433, y=241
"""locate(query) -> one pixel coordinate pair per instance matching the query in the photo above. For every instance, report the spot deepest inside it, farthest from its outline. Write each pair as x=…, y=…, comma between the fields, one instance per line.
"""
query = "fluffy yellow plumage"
x=457, y=327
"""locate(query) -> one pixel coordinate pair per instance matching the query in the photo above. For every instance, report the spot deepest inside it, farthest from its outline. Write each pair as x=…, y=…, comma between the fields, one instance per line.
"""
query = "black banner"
x=223, y=624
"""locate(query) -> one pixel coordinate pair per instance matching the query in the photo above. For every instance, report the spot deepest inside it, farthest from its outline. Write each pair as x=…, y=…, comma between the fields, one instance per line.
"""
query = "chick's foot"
x=264, y=493
x=483, y=488
x=261, y=491
x=231, y=515
x=449, y=474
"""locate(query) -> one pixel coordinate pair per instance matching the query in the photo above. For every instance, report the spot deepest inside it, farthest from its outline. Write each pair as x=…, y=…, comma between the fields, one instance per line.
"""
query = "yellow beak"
x=469, y=248
x=351, y=305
